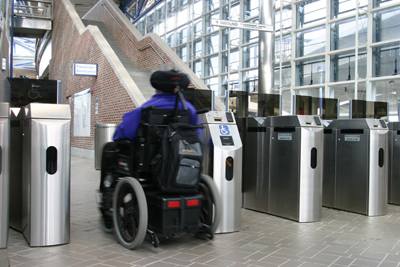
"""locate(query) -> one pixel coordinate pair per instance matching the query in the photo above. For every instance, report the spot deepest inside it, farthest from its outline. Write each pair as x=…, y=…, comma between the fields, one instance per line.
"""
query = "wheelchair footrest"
x=171, y=214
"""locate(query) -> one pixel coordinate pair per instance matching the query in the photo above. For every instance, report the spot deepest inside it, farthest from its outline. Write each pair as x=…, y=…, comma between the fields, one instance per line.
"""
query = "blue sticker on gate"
x=224, y=129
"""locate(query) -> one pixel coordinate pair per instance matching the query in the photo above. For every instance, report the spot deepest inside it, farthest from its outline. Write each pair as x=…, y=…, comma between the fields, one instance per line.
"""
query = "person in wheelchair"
x=135, y=141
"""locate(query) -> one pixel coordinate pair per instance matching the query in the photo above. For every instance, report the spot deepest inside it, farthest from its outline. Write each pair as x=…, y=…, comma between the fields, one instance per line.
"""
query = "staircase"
x=141, y=77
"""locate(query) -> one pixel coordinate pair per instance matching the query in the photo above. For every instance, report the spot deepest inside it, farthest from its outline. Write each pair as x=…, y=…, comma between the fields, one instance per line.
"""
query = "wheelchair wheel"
x=130, y=213
x=212, y=206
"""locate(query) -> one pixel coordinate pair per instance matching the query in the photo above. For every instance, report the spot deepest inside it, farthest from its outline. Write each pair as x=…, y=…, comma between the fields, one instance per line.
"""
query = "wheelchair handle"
x=148, y=108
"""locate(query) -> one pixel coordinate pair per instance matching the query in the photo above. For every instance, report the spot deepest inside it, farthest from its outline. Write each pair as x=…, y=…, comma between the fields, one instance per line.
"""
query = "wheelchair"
x=133, y=206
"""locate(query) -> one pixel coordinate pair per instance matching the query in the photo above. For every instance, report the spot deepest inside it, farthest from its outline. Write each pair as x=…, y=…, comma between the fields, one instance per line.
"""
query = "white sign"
x=242, y=25
x=85, y=69
x=4, y=64
x=82, y=113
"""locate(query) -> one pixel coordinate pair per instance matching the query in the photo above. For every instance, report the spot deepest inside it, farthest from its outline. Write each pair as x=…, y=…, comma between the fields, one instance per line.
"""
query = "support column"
x=266, y=48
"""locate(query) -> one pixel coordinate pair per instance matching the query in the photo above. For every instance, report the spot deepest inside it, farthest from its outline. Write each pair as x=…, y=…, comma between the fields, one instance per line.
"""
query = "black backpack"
x=177, y=167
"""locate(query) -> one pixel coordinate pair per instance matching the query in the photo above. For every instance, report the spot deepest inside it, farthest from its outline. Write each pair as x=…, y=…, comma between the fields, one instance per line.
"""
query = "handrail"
x=34, y=10
x=141, y=48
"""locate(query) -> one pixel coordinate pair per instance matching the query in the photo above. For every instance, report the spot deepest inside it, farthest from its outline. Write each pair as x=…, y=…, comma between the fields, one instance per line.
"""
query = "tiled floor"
x=340, y=239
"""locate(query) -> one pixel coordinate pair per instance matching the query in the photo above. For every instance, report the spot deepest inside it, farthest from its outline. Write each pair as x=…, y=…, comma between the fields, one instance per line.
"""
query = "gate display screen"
x=227, y=141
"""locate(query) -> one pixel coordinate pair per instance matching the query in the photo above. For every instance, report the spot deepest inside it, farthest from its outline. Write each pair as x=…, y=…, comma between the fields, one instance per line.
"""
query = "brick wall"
x=31, y=74
x=69, y=45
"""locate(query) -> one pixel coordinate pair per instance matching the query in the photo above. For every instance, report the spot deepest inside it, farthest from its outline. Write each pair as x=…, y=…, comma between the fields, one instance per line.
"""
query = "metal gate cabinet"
x=359, y=183
x=255, y=165
x=394, y=167
x=46, y=174
x=295, y=175
x=223, y=162
x=4, y=172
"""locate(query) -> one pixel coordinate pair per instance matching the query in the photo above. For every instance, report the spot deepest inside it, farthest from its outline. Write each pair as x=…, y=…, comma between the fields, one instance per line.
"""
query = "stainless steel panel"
x=310, y=190
x=103, y=134
x=329, y=168
x=255, y=165
x=266, y=48
x=16, y=169
x=46, y=195
x=47, y=111
x=215, y=165
x=394, y=167
x=4, y=173
x=352, y=172
x=378, y=176
x=284, y=180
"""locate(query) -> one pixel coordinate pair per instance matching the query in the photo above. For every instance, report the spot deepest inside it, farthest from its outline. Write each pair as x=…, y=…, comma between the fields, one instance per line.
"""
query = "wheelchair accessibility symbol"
x=224, y=129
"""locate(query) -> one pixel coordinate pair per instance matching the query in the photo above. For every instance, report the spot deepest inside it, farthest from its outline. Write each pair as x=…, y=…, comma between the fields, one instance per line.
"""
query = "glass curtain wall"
x=346, y=49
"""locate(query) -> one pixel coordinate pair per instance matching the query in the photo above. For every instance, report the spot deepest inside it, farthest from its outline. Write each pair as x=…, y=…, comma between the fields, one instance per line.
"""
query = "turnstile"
x=283, y=155
x=46, y=174
x=223, y=162
x=356, y=166
x=394, y=166
x=295, y=167
x=4, y=172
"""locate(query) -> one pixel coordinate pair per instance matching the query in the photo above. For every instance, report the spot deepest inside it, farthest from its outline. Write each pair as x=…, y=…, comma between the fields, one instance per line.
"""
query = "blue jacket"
x=130, y=120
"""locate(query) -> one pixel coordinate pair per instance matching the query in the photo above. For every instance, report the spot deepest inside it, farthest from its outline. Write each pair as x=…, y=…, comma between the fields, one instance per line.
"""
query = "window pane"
x=235, y=12
x=213, y=84
x=161, y=27
x=385, y=60
x=383, y=3
x=197, y=28
x=286, y=19
x=250, y=56
x=182, y=35
x=171, y=22
x=388, y=23
x=250, y=36
x=231, y=60
x=182, y=52
x=212, y=44
x=197, y=68
x=170, y=6
x=197, y=49
x=231, y=38
x=250, y=8
x=286, y=76
x=343, y=8
x=171, y=39
x=141, y=26
x=250, y=81
x=198, y=8
x=310, y=13
x=211, y=66
x=309, y=72
x=211, y=4
x=209, y=17
x=160, y=12
x=183, y=16
x=311, y=42
x=286, y=48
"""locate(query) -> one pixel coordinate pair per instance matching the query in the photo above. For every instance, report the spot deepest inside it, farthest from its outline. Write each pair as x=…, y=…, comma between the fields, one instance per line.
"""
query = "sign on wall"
x=82, y=113
x=85, y=69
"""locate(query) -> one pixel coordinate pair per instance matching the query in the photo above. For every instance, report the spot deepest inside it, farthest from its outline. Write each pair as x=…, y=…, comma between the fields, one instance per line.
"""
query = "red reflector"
x=174, y=204
x=192, y=202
